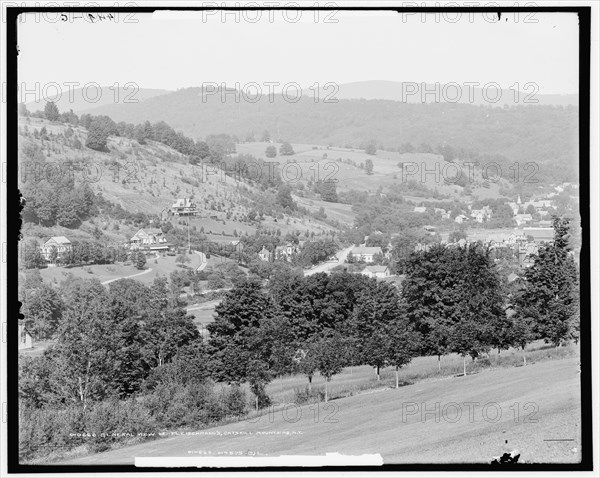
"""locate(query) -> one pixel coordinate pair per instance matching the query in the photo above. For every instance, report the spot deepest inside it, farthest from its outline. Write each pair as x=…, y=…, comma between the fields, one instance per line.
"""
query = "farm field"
x=533, y=409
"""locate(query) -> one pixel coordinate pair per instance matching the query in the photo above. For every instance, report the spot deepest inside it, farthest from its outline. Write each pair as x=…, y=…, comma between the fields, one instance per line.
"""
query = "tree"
x=42, y=308
x=53, y=255
x=235, y=342
x=306, y=360
x=140, y=260
x=369, y=166
x=23, y=111
x=453, y=298
x=327, y=190
x=371, y=147
x=32, y=256
x=97, y=136
x=550, y=288
x=284, y=198
x=51, y=111
x=331, y=356
x=85, y=351
x=266, y=137
x=286, y=149
x=271, y=151
x=165, y=333
x=182, y=259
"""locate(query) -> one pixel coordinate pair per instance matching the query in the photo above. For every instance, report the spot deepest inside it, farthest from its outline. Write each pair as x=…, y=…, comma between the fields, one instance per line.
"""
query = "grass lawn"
x=108, y=272
x=533, y=409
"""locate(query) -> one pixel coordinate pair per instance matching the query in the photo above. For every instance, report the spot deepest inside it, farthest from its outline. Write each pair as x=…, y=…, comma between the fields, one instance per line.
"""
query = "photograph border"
x=13, y=205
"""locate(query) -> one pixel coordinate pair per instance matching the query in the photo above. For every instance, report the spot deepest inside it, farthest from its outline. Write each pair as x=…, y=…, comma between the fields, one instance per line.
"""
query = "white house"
x=461, y=218
x=59, y=243
x=365, y=254
x=150, y=238
x=25, y=339
x=379, y=272
x=184, y=207
x=286, y=252
x=264, y=254
x=420, y=209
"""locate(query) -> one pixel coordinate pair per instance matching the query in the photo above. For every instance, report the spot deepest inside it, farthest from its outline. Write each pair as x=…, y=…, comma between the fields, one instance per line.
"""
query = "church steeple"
x=519, y=199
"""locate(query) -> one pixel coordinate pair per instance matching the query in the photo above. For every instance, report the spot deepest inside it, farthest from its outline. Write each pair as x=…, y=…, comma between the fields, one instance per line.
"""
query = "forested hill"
x=545, y=134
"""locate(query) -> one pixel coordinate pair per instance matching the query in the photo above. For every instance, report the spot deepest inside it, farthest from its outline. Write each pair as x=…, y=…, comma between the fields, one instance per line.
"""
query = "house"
x=25, y=339
x=420, y=209
x=445, y=214
x=151, y=239
x=521, y=219
x=540, y=234
x=378, y=272
x=60, y=244
x=365, y=254
x=487, y=210
x=481, y=215
x=264, y=254
x=461, y=218
x=429, y=229
x=422, y=247
x=184, y=207
x=286, y=252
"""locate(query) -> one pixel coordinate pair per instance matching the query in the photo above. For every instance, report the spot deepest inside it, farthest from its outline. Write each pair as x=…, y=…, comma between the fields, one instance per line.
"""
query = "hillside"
x=145, y=179
x=90, y=98
x=346, y=167
x=393, y=423
x=543, y=134
x=413, y=92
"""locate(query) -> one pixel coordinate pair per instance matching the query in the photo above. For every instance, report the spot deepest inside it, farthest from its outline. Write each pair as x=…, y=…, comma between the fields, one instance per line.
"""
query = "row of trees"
x=452, y=300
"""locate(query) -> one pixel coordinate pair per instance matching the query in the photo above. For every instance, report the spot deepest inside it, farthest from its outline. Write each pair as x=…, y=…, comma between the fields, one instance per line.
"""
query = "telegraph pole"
x=188, y=227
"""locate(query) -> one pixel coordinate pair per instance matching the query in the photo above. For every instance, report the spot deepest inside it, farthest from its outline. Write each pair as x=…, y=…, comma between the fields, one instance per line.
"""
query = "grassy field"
x=533, y=409
x=163, y=267
x=343, y=165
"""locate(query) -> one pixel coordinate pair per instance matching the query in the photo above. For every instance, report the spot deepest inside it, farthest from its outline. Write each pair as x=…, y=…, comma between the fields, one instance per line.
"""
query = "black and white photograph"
x=299, y=236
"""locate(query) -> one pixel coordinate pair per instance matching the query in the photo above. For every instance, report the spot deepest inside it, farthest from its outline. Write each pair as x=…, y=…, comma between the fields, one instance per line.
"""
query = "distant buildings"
x=379, y=272
x=60, y=244
x=522, y=219
x=365, y=254
x=461, y=218
x=481, y=215
x=184, y=207
x=150, y=239
x=420, y=209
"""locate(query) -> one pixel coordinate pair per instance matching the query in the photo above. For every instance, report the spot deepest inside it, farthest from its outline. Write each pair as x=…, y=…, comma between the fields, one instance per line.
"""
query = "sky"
x=174, y=50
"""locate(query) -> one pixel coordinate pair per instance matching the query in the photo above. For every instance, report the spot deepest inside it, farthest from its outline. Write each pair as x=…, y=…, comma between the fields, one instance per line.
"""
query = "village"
x=521, y=244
